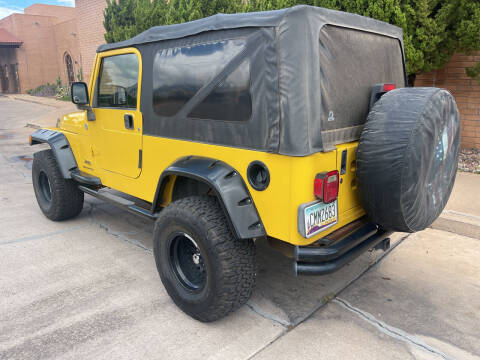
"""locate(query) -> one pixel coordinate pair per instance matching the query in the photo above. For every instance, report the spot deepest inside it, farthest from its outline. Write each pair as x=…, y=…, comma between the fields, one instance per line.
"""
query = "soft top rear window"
x=352, y=61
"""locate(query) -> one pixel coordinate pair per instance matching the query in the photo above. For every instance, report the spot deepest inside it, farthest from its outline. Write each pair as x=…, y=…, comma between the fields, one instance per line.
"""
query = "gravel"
x=469, y=161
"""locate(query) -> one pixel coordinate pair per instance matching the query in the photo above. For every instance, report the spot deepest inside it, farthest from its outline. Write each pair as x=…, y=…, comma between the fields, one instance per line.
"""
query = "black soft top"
x=312, y=70
x=286, y=18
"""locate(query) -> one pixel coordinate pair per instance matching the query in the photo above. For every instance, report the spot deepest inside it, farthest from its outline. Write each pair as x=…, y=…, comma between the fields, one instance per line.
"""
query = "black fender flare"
x=61, y=149
x=229, y=187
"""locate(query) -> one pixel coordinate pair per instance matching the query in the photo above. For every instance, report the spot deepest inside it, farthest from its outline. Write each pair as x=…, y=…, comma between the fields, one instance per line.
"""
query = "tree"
x=126, y=18
x=469, y=33
x=441, y=28
x=433, y=29
x=118, y=20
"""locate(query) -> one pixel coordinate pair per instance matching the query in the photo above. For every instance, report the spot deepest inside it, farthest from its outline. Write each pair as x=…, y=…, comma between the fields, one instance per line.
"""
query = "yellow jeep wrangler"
x=296, y=125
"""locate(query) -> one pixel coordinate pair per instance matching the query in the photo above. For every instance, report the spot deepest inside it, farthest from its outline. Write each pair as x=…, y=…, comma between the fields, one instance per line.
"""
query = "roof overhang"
x=10, y=45
x=7, y=40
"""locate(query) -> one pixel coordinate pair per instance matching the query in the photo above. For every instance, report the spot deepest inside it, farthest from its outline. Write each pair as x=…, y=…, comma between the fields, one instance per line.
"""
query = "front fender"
x=60, y=147
x=229, y=187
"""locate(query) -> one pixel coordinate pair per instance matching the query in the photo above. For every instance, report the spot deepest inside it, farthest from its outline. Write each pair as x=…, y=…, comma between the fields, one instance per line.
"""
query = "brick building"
x=46, y=48
x=466, y=92
x=91, y=30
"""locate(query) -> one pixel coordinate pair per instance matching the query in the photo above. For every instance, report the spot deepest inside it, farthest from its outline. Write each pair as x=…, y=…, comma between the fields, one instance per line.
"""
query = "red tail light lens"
x=388, y=87
x=326, y=186
x=318, y=186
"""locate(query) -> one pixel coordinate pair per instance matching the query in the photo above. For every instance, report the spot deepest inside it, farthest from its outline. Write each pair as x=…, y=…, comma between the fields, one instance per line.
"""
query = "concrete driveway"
x=88, y=288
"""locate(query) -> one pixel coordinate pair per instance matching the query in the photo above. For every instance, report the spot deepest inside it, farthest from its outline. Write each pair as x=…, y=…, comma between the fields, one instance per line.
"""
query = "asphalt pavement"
x=88, y=287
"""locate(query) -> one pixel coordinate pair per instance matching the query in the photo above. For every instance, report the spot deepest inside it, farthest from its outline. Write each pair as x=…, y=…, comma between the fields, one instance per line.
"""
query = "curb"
x=458, y=223
x=34, y=101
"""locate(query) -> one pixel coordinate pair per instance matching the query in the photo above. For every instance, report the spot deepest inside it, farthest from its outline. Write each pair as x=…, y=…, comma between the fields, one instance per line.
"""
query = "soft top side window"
x=230, y=100
x=180, y=72
x=118, y=82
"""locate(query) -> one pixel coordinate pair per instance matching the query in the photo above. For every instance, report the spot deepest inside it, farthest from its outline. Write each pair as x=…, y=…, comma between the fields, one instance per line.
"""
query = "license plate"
x=318, y=217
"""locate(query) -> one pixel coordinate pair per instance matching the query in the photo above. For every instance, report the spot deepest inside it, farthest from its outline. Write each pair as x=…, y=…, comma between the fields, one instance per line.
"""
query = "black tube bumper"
x=315, y=260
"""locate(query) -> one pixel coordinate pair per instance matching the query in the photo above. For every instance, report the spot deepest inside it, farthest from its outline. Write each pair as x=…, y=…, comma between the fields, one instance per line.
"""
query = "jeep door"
x=116, y=104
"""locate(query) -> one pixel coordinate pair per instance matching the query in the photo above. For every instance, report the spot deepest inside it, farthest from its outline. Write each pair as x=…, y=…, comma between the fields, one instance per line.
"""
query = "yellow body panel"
x=291, y=181
x=103, y=151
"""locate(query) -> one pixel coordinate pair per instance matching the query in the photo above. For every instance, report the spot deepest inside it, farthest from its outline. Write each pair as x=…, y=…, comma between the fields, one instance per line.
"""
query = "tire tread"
x=236, y=257
x=67, y=199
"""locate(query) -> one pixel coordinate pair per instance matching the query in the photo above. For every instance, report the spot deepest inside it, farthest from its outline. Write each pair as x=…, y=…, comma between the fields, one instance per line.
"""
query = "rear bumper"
x=322, y=260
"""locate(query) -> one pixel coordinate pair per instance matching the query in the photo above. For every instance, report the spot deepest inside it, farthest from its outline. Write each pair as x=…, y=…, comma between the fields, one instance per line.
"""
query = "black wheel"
x=206, y=271
x=58, y=198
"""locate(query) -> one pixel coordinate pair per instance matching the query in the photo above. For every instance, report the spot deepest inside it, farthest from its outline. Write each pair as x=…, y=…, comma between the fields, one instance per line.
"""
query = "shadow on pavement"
x=279, y=295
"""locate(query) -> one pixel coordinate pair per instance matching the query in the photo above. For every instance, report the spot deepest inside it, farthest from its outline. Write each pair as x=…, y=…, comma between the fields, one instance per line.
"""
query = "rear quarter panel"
x=304, y=170
x=291, y=181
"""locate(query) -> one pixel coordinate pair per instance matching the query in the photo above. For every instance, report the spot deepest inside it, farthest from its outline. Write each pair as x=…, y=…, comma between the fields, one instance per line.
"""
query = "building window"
x=118, y=83
x=69, y=65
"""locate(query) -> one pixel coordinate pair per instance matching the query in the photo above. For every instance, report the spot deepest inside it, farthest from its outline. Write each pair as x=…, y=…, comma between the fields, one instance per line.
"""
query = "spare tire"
x=407, y=157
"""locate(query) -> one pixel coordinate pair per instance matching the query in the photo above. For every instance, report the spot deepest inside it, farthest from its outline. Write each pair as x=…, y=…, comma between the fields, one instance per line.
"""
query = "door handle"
x=128, y=120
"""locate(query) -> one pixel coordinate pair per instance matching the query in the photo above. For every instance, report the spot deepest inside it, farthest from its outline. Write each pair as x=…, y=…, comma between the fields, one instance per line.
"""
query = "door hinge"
x=343, y=165
x=140, y=158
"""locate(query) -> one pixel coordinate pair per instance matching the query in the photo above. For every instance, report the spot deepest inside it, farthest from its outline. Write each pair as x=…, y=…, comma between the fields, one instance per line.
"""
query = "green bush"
x=433, y=29
x=44, y=90
x=59, y=90
x=474, y=72
x=80, y=74
x=62, y=91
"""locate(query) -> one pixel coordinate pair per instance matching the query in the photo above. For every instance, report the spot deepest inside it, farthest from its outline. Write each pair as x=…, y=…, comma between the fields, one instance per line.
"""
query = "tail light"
x=378, y=90
x=326, y=186
x=388, y=87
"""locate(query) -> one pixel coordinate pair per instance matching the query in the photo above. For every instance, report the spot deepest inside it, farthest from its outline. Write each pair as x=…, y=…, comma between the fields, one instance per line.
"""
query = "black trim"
x=343, y=164
x=252, y=175
x=317, y=260
x=128, y=121
x=375, y=94
x=78, y=83
x=119, y=201
x=229, y=188
x=60, y=147
x=85, y=179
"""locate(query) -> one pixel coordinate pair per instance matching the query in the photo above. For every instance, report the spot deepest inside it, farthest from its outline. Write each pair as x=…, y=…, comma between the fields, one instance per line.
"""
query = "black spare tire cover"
x=407, y=157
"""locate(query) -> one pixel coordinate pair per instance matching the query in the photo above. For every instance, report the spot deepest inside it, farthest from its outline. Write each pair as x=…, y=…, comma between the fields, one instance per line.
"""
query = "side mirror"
x=121, y=95
x=79, y=93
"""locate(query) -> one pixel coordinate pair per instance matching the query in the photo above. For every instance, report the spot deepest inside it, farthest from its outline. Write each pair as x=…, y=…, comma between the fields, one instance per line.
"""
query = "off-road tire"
x=407, y=158
x=230, y=263
x=66, y=200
